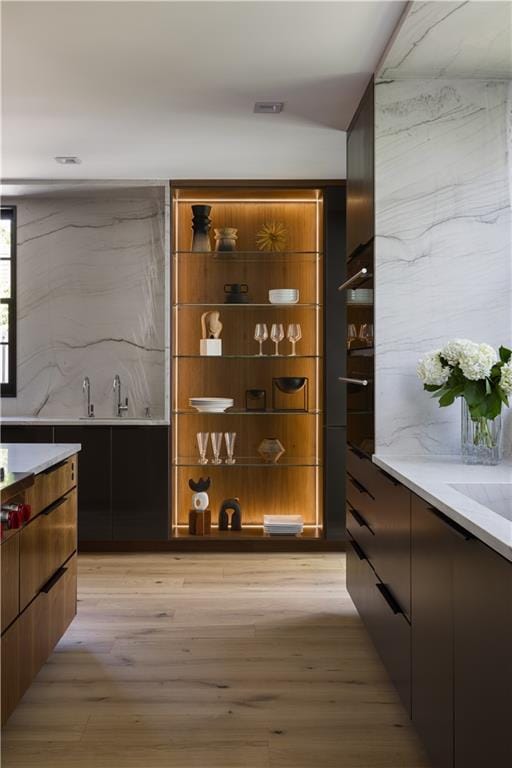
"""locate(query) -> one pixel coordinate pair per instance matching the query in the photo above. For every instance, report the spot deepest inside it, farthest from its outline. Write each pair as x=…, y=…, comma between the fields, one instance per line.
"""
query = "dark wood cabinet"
x=384, y=619
x=27, y=433
x=482, y=605
x=360, y=173
x=432, y=544
x=94, y=490
x=140, y=483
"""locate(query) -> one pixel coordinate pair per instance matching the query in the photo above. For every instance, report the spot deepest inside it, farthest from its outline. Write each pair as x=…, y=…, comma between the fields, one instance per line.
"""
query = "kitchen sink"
x=494, y=496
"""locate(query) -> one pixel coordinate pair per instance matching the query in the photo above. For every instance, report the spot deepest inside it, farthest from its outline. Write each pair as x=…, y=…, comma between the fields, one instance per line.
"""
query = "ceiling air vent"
x=268, y=107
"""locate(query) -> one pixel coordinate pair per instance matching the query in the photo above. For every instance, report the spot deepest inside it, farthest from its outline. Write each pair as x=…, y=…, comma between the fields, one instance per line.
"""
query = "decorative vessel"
x=236, y=293
x=225, y=239
x=201, y=224
x=271, y=449
x=480, y=438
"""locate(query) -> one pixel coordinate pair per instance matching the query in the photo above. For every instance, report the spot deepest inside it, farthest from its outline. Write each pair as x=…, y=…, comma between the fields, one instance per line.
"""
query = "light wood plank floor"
x=212, y=661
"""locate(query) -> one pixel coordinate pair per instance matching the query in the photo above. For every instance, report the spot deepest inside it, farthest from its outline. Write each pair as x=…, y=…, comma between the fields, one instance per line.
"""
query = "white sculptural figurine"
x=200, y=499
x=211, y=328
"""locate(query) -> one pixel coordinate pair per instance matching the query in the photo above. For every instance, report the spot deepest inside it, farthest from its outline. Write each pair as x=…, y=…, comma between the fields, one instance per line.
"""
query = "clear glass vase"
x=480, y=438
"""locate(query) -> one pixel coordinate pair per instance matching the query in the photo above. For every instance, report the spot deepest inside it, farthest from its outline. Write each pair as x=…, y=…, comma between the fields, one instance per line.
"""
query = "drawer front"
x=28, y=643
x=51, y=484
x=45, y=543
x=389, y=630
x=10, y=568
x=361, y=532
x=385, y=504
x=60, y=597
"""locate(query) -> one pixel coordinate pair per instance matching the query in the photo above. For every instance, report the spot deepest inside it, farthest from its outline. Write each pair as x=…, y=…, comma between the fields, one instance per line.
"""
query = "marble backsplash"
x=91, y=302
x=443, y=244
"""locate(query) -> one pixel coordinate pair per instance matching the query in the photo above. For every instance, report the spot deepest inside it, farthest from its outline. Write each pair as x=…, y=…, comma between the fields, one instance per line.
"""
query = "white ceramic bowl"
x=211, y=404
x=283, y=296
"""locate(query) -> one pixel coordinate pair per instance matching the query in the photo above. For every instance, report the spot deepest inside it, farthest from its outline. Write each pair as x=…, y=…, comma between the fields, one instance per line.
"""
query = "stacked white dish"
x=360, y=296
x=283, y=525
x=211, y=404
x=283, y=296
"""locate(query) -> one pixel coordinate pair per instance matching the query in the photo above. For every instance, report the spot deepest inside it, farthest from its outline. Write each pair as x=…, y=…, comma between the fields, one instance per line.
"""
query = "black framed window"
x=8, y=301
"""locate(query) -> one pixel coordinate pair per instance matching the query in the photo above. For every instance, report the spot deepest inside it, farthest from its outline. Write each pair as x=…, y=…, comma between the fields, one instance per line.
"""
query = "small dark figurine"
x=200, y=485
x=236, y=517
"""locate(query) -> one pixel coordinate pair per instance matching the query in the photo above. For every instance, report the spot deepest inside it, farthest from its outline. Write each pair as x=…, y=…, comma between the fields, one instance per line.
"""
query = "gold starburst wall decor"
x=272, y=236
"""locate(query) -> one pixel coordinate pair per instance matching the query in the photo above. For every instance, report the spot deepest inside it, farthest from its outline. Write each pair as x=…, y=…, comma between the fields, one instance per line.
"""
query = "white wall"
x=91, y=302
x=443, y=243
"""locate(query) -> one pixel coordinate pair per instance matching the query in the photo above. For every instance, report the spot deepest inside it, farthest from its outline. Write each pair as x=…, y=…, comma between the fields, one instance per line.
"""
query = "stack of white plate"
x=360, y=296
x=283, y=296
x=283, y=525
x=211, y=404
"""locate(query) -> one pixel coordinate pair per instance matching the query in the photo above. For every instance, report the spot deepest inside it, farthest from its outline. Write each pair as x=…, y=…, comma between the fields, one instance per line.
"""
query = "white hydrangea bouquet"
x=480, y=376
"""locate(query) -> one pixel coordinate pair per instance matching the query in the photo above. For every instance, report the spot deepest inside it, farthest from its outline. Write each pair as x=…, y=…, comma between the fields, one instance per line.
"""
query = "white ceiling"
x=166, y=89
x=452, y=39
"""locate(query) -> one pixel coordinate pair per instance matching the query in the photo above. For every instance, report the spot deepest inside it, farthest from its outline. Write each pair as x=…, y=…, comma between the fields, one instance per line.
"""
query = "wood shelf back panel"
x=238, y=329
x=201, y=278
x=261, y=491
x=227, y=378
x=300, y=220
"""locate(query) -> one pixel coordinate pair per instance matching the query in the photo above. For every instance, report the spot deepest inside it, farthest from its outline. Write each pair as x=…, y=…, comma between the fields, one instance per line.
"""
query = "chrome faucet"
x=86, y=387
x=119, y=406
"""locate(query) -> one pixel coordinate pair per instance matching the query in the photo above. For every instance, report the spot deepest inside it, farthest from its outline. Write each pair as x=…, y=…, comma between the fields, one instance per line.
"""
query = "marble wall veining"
x=443, y=244
x=92, y=278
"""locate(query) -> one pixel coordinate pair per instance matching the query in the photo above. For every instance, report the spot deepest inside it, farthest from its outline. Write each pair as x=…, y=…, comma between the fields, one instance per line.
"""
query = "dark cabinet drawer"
x=432, y=544
x=383, y=504
x=387, y=626
x=482, y=601
x=45, y=543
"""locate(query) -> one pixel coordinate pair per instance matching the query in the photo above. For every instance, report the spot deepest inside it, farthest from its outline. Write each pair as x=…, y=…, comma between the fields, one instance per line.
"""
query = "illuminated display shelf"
x=294, y=484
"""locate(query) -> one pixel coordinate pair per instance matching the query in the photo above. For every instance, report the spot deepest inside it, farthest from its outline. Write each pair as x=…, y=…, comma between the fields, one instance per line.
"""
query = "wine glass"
x=261, y=334
x=277, y=335
x=352, y=334
x=230, y=438
x=202, y=444
x=366, y=333
x=294, y=334
x=216, y=446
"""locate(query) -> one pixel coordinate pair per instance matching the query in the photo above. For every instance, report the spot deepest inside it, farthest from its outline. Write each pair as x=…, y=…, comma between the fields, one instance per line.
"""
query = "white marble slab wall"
x=91, y=302
x=443, y=244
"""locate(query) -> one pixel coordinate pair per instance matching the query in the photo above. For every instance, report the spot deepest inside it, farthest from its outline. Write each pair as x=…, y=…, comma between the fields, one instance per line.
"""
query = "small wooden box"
x=200, y=523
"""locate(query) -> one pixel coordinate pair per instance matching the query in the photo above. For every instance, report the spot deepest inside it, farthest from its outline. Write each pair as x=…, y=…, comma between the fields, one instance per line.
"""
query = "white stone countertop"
x=32, y=458
x=432, y=478
x=84, y=422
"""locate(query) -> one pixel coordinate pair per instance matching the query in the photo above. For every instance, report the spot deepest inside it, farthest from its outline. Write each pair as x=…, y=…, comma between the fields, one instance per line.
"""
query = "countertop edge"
x=429, y=494
x=57, y=452
x=15, y=421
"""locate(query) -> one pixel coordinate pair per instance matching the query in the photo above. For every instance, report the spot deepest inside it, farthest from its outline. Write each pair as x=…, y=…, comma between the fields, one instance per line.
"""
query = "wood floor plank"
x=212, y=661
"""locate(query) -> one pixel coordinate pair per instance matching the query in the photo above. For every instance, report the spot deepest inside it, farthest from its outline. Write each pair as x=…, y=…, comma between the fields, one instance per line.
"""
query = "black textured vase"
x=200, y=228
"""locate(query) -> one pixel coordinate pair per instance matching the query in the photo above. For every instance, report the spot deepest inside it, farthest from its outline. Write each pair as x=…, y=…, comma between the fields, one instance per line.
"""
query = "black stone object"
x=236, y=293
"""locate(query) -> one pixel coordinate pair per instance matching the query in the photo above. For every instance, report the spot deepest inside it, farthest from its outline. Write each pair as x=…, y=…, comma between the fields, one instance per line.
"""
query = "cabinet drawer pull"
x=360, y=487
x=358, y=550
x=388, y=597
x=457, y=529
x=360, y=382
x=388, y=477
x=55, y=505
x=359, y=453
x=54, y=468
x=359, y=519
x=53, y=581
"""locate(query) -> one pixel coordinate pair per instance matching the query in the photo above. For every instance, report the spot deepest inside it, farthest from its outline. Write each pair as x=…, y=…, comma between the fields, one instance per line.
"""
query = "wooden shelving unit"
x=294, y=485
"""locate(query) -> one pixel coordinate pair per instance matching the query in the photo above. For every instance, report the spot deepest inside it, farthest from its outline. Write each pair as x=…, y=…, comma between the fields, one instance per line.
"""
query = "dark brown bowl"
x=290, y=385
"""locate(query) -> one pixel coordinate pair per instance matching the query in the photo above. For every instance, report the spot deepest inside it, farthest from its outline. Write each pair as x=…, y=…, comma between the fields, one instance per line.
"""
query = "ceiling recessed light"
x=68, y=160
x=269, y=107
